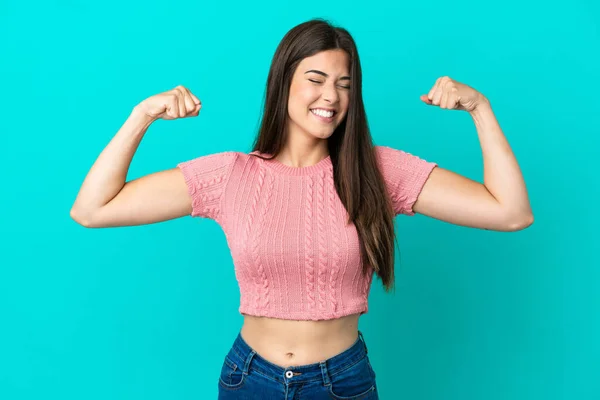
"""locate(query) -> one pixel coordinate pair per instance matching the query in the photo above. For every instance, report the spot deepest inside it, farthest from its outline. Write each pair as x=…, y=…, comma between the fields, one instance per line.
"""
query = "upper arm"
x=418, y=186
x=194, y=187
x=456, y=199
x=156, y=197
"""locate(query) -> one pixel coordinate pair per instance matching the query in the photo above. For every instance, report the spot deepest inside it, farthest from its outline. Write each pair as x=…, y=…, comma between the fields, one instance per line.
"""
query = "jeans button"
x=289, y=374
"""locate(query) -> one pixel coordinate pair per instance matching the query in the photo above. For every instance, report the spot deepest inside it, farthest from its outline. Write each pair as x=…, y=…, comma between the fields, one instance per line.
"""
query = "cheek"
x=304, y=97
x=344, y=106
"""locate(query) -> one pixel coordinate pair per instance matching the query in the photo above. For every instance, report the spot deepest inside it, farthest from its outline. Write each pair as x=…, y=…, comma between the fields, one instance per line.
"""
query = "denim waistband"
x=323, y=370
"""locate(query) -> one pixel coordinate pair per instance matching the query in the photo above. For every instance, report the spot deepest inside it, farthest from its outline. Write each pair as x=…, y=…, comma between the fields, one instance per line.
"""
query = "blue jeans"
x=247, y=375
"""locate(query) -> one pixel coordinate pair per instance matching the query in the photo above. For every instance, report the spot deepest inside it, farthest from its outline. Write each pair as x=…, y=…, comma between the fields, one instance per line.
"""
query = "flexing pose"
x=308, y=213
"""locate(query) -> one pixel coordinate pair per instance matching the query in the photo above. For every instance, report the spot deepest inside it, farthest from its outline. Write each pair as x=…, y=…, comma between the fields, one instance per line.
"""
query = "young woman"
x=308, y=214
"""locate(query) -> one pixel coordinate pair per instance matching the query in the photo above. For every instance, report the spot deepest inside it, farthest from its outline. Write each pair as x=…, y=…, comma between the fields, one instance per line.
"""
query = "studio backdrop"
x=149, y=312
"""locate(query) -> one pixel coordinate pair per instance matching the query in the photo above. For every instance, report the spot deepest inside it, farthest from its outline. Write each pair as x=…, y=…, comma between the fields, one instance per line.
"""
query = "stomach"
x=293, y=343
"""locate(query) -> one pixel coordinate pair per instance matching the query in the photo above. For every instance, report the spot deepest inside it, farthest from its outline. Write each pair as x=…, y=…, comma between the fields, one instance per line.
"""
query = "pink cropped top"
x=293, y=253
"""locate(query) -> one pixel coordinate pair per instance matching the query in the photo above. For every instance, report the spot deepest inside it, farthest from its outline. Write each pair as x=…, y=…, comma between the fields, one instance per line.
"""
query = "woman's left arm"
x=501, y=203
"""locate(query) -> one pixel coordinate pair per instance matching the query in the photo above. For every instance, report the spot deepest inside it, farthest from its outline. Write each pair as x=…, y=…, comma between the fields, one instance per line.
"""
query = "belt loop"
x=248, y=360
x=323, y=365
x=360, y=335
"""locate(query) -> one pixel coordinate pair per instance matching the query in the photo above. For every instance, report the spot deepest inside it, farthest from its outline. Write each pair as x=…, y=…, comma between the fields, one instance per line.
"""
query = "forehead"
x=332, y=62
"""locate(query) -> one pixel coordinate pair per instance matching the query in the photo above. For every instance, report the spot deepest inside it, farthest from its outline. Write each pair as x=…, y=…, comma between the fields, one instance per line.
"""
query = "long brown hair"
x=358, y=181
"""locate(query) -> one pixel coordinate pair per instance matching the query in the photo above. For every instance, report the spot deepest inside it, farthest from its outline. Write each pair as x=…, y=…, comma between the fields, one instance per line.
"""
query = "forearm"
x=502, y=175
x=108, y=174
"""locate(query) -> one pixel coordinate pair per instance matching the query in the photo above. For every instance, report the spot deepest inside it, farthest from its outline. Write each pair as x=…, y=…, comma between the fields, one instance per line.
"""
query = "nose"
x=330, y=93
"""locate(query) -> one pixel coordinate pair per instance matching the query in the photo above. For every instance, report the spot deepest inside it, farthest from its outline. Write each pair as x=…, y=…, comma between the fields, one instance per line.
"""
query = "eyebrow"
x=343, y=78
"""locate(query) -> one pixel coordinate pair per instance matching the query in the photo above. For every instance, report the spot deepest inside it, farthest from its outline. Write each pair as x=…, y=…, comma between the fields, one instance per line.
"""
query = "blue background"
x=149, y=312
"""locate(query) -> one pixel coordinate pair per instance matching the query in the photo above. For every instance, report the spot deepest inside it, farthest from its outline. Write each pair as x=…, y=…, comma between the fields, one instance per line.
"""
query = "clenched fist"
x=172, y=104
x=450, y=94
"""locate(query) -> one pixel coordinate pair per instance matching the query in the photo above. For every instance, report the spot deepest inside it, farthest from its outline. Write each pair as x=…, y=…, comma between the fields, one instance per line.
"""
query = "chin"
x=321, y=133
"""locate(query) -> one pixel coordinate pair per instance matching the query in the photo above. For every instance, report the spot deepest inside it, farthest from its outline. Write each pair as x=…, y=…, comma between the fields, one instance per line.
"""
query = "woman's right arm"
x=105, y=199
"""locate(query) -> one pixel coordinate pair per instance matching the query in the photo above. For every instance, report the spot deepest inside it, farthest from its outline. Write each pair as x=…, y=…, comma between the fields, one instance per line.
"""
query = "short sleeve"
x=405, y=175
x=206, y=178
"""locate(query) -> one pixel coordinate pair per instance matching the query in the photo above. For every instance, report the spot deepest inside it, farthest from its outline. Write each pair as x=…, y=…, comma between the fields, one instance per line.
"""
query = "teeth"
x=322, y=113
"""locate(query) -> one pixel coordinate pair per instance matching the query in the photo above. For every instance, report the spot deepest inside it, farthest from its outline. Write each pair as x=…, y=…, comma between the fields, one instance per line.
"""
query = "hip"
x=347, y=375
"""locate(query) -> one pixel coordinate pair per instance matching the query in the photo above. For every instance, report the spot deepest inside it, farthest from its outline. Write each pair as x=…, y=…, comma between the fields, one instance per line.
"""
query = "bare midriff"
x=293, y=343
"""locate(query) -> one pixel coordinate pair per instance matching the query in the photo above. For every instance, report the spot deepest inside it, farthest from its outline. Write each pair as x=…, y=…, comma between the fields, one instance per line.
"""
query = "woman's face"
x=319, y=94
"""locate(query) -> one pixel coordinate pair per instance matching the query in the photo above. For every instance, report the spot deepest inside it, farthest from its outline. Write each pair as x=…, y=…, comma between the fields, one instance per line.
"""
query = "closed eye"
x=342, y=86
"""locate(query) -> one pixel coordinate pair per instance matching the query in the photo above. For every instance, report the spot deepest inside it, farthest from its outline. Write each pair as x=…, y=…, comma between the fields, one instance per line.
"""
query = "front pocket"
x=231, y=377
x=354, y=383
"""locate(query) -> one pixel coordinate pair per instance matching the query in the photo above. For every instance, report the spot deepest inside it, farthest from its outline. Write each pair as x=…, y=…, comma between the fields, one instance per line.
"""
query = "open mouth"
x=323, y=114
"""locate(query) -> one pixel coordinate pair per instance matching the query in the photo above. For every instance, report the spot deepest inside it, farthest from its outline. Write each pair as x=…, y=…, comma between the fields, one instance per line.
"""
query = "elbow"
x=81, y=218
x=520, y=223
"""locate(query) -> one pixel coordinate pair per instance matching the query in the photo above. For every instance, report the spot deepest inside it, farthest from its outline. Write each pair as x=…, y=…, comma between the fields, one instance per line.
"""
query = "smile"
x=323, y=115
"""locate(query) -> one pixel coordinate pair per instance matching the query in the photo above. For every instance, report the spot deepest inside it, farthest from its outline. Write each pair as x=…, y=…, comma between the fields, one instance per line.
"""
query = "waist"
x=289, y=342
x=243, y=354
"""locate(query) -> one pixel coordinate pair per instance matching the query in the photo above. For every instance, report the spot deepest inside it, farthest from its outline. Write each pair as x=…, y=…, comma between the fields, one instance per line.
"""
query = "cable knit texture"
x=294, y=255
